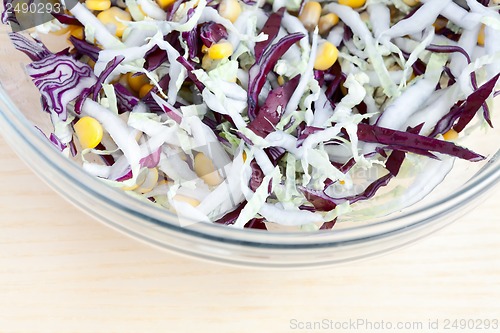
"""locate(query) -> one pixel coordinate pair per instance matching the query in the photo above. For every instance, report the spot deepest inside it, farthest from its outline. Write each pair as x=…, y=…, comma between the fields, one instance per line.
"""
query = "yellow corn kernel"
x=309, y=16
x=136, y=82
x=411, y=3
x=327, y=22
x=89, y=132
x=77, y=32
x=191, y=201
x=450, y=135
x=230, y=9
x=244, y=156
x=99, y=5
x=281, y=80
x=352, y=3
x=109, y=18
x=342, y=182
x=150, y=181
x=220, y=50
x=480, y=37
x=164, y=3
x=326, y=56
x=205, y=169
x=145, y=90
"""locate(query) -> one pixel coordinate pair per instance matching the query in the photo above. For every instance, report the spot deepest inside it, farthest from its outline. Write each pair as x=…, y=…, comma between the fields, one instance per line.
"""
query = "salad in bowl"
x=267, y=114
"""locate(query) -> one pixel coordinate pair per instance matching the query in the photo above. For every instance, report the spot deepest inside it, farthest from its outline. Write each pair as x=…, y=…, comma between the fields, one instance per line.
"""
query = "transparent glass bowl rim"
x=21, y=129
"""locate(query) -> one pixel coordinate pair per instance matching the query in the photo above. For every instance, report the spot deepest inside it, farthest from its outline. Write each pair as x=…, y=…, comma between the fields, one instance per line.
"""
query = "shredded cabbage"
x=234, y=120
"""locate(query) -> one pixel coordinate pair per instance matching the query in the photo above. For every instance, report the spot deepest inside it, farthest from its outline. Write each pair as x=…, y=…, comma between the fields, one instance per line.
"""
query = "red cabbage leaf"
x=85, y=48
x=35, y=50
x=413, y=142
x=67, y=19
x=323, y=202
x=269, y=114
x=474, y=102
x=110, y=66
x=61, y=79
x=271, y=29
x=125, y=99
x=190, y=68
x=211, y=33
x=259, y=71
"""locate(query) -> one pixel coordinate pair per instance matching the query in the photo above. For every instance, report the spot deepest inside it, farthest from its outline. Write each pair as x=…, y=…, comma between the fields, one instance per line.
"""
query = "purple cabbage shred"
x=85, y=48
x=271, y=29
x=211, y=33
x=110, y=67
x=50, y=76
x=125, y=99
x=67, y=19
x=191, y=37
x=474, y=102
x=269, y=114
x=190, y=68
x=413, y=142
x=35, y=50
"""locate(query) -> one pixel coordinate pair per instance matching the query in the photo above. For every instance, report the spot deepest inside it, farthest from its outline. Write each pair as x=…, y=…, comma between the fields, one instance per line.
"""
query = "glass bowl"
x=351, y=239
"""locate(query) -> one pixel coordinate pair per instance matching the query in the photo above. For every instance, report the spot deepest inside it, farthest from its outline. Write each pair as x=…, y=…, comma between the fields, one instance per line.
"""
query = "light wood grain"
x=61, y=271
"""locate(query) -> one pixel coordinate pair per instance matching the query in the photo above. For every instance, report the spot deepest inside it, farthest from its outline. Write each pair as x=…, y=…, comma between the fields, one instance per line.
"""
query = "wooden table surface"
x=61, y=271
